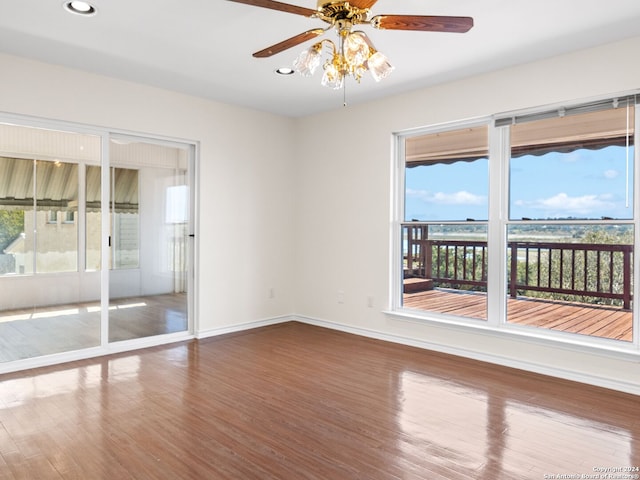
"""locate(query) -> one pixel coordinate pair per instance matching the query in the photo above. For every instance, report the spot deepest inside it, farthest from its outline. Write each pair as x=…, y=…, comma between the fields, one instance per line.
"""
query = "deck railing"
x=557, y=270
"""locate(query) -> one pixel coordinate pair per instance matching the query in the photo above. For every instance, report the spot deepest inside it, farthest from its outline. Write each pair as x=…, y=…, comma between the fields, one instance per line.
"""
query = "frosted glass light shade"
x=379, y=66
x=308, y=61
x=356, y=50
x=332, y=77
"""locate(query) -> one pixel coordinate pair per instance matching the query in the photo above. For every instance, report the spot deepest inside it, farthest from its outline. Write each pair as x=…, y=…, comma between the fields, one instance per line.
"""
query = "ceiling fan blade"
x=363, y=4
x=283, y=7
x=289, y=42
x=423, y=23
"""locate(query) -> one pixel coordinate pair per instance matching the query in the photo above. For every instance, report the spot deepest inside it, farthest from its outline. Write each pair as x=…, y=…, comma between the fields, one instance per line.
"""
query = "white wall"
x=246, y=224
x=343, y=205
x=309, y=225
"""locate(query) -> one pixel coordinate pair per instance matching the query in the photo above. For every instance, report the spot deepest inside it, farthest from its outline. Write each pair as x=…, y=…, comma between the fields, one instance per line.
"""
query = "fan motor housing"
x=333, y=11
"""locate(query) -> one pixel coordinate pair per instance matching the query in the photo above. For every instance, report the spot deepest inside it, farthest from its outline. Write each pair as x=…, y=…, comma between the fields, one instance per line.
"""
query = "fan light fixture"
x=354, y=57
x=354, y=54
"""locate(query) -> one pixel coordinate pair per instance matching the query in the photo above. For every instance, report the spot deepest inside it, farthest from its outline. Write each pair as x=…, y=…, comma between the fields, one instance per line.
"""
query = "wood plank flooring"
x=605, y=322
x=298, y=402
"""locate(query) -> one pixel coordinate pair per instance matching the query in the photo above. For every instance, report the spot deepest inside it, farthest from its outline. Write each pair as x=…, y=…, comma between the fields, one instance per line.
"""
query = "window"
x=444, y=230
x=124, y=218
x=56, y=190
x=92, y=220
x=562, y=185
x=33, y=193
x=123, y=207
x=570, y=232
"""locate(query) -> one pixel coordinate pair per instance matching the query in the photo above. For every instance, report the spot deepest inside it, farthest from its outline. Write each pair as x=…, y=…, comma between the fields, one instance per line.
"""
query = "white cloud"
x=442, y=198
x=562, y=204
x=572, y=157
x=610, y=174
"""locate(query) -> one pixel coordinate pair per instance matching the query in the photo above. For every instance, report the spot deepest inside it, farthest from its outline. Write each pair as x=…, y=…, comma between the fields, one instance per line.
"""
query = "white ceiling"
x=204, y=47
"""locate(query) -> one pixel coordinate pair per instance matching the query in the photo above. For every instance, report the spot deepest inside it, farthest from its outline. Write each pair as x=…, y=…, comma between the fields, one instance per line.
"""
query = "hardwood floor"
x=583, y=319
x=40, y=331
x=296, y=402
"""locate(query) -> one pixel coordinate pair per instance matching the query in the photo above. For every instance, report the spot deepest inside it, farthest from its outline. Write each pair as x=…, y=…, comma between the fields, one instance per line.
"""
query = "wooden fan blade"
x=423, y=23
x=363, y=4
x=283, y=7
x=289, y=42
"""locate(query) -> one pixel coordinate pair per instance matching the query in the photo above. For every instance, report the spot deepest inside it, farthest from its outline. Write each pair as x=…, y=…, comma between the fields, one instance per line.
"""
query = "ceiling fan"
x=355, y=54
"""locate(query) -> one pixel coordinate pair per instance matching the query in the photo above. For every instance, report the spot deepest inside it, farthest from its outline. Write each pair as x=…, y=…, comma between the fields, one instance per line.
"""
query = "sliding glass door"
x=50, y=296
x=149, y=233
x=94, y=240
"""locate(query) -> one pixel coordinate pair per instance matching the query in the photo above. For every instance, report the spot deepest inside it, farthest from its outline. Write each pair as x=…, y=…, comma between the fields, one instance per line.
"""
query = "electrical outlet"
x=272, y=292
x=340, y=296
x=370, y=301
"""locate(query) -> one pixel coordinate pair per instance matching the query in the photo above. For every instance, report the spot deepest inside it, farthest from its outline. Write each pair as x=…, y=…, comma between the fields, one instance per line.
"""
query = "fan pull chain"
x=344, y=92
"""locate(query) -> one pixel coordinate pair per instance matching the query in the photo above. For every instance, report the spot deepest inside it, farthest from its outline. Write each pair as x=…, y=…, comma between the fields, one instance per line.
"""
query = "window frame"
x=499, y=163
x=398, y=204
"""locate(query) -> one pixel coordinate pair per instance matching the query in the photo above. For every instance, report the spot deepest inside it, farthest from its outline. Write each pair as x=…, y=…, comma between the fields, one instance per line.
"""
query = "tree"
x=582, y=270
x=11, y=226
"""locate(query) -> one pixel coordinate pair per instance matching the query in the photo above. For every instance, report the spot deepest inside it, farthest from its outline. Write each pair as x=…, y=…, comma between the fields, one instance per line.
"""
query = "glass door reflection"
x=149, y=228
x=50, y=301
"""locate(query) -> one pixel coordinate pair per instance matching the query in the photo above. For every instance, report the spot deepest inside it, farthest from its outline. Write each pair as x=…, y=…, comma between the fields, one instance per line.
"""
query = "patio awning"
x=558, y=133
x=57, y=185
x=448, y=147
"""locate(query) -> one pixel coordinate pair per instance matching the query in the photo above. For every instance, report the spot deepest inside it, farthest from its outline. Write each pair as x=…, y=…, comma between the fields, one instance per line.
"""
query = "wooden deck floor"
x=605, y=322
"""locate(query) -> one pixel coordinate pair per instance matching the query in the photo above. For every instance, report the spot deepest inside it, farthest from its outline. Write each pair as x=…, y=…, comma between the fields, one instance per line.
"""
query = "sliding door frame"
x=192, y=278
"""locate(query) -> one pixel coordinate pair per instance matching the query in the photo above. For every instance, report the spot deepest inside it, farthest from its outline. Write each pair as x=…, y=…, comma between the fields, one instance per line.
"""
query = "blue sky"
x=582, y=184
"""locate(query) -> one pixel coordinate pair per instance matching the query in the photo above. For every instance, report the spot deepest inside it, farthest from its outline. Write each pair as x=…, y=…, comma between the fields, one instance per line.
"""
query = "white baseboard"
x=565, y=374
x=213, y=332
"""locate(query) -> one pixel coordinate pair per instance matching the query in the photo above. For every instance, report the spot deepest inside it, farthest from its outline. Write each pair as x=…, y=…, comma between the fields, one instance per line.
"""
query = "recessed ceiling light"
x=80, y=8
x=285, y=71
